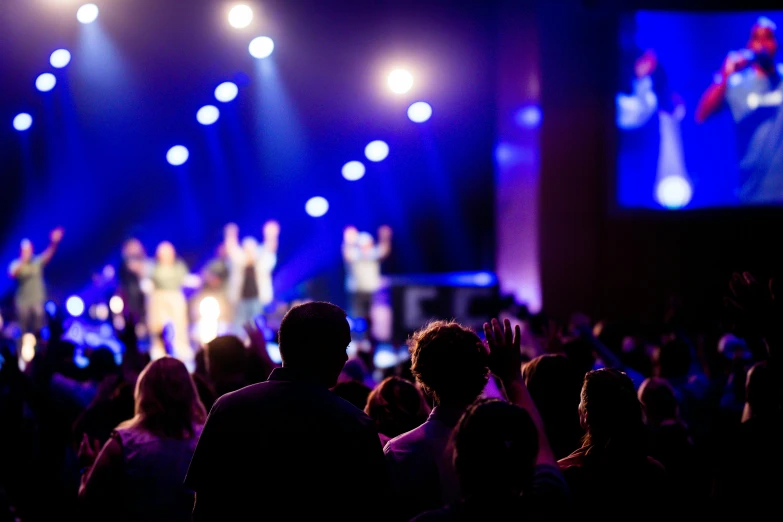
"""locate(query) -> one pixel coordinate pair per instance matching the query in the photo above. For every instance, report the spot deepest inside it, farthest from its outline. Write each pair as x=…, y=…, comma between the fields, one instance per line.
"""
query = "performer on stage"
x=249, y=287
x=132, y=270
x=749, y=83
x=363, y=267
x=27, y=269
x=167, y=304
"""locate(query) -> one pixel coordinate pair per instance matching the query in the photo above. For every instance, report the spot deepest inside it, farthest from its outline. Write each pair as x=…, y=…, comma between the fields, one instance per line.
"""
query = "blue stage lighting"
x=75, y=305
x=207, y=115
x=45, y=82
x=376, y=150
x=226, y=91
x=23, y=121
x=177, y=155
x=261, y=47
x=316, y=206
x=353, y=170
x=60, y=58
x=419, y=112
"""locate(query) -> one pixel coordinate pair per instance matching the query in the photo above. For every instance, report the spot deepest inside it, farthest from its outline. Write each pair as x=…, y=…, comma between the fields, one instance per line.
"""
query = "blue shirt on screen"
x=755, y=101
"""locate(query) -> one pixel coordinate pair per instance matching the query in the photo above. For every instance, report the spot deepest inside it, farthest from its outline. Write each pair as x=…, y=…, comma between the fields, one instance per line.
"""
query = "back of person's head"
x=495, y=449
x=580, y=352
x=659, y=401
x=167, y=402
x=354, y=392
x=102, y=363
x=762, y=391
x=313, y=338
x=226, y=360
x=449, y=361
x=673, y=359
x=396, y=406
x=555, y=383
x=611, y=415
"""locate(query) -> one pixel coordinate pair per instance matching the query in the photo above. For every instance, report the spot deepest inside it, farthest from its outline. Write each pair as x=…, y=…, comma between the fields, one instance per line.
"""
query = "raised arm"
x=231, y=239
x=506, y=362
x=271, y=236
x=712, y=99
x=384, y=241
x=55, y=237
x=350, y=235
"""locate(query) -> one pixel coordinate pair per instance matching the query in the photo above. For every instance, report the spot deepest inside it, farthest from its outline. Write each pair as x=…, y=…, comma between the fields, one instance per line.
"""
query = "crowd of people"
x=529, y=418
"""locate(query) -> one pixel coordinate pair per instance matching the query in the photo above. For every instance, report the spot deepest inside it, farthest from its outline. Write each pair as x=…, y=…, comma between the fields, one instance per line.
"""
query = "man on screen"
x=749, y=82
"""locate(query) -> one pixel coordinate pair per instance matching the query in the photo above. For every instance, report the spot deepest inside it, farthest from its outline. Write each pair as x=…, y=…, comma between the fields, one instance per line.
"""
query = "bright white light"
x=353, y=170
x=207, y=115
x=226, y=91
x=75, y=305
x=87, y=13
x=60, y=58
x=209, y=308
x=240, y=16
x=28, y=347
x=273, y=349
x=673, y=192
x=376, y=150
x=101, y=312
x=45, y=82
x=116, y=305
x=316, y=206
x=385, y=357
x=22, y=122
x=419, y=112
x=400, y=81
x=261, y=47
x=177, y=155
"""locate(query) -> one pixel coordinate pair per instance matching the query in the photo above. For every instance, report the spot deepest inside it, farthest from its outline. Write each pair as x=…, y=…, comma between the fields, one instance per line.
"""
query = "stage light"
x=385, y=356
x=419, y=112
x=673, y=192
x=240, y=16
x=177, y=155
x=353, y=170
x=28, y=347
x=400, y=81
x=528, y=117
x=108, y=272
x=261, y=47
x=45, y=82
x=23, y=121
x=50, y=308
x=116, y=304
x=75, y=305
x=316, y=206
x=226, y=91
x=101, y=312
x=87, y=13
x=209, y=308
x=273, y=349
x=376, y=150
x=60, y=58
x=207, y=115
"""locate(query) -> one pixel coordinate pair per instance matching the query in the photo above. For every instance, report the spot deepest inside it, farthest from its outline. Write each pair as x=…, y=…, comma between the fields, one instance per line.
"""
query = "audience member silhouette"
x=289, y=448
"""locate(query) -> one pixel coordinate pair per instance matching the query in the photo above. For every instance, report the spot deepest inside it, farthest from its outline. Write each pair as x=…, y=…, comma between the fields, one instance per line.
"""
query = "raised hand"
x=350, y=234
x=88, y=451
x=271, y=228
x=56, y=235
x=231, y=230
x=384, y=233
x=505, y=356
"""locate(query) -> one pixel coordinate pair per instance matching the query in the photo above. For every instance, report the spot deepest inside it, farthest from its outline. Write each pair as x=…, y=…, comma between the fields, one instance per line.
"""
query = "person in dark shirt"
x=288, y=448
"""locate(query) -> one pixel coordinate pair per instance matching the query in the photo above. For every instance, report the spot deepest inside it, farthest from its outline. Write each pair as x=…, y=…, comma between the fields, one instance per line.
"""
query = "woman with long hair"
x=139, y=473
x=612, y=463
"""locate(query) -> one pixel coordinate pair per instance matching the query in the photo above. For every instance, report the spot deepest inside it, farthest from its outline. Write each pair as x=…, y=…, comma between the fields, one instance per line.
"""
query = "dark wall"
x=594, y=258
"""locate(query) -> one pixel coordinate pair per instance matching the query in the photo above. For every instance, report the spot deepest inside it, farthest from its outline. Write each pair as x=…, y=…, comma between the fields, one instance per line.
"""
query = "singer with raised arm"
x=250, y=264
x=362, y=257
x=30, y=295
x=749, y=83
